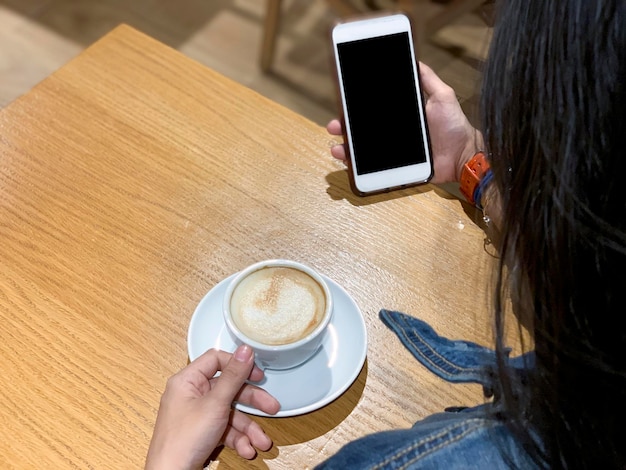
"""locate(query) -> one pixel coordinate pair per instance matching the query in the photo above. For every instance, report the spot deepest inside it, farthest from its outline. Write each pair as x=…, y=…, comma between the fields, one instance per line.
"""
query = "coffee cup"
x=281, y=309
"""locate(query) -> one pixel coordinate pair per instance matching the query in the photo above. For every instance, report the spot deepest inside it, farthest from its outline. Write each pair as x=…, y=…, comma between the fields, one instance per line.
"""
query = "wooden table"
x=131, y=182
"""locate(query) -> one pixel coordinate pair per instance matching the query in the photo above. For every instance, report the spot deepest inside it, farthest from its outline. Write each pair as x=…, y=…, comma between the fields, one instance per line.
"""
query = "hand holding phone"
x=384, y=121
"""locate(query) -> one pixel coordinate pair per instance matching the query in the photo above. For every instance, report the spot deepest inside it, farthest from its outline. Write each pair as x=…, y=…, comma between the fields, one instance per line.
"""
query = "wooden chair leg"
x=270, y=32
x=271, y=26
x=422, y=29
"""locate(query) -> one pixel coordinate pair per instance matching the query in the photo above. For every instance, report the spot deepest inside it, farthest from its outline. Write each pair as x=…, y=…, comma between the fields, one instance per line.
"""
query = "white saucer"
x=308, y=387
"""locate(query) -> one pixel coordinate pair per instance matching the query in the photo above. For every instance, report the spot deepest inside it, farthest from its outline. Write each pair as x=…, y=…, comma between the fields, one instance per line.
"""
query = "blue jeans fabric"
x=466, y=438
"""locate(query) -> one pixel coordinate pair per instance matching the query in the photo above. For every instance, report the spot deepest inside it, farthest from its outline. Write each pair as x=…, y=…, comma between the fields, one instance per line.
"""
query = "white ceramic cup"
x=274, y=306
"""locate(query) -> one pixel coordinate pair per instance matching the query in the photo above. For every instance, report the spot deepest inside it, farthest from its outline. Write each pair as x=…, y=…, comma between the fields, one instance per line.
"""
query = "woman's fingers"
x=240, y=443
x=339, y=152
x=258, y=398
x=246, y=425
x=433, y=85
x=245, y=436
x=334, y=127
x=234, y=375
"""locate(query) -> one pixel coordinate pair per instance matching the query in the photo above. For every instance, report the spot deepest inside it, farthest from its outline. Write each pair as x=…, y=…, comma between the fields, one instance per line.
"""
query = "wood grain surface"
x=132, y=181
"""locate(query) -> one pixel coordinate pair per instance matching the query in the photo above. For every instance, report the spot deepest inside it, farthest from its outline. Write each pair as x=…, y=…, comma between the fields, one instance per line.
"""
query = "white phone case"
x=377, y=76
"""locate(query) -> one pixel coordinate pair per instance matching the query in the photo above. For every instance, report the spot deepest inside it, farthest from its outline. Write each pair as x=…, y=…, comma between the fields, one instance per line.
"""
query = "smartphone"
x=383, y=115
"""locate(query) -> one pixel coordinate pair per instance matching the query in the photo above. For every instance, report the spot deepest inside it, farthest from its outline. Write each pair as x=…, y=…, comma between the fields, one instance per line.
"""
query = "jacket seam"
x=434, y=352
x=474, y=425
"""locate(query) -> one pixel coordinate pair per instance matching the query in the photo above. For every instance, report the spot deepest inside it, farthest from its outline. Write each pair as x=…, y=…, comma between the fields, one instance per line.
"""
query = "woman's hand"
x=196, y=415
x=453, y=139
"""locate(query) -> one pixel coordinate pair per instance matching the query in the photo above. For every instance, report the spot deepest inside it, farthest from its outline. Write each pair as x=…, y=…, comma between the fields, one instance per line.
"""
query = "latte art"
x=277, y=305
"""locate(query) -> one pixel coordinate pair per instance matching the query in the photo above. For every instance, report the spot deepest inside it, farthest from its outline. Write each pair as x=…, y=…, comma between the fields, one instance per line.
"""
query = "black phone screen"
x=382, y=103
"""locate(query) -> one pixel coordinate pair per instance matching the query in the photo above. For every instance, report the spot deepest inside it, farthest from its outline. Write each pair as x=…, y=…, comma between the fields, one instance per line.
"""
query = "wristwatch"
x=473, y=172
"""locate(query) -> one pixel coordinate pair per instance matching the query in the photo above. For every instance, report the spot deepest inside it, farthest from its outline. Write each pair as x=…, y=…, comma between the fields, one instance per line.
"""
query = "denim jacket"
x=457, y=438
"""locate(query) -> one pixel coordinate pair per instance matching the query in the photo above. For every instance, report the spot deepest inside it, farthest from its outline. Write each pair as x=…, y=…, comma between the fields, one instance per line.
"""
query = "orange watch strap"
x=472, y=173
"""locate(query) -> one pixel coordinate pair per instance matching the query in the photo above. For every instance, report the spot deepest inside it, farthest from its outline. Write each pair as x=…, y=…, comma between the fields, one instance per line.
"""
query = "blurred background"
x=279, y=48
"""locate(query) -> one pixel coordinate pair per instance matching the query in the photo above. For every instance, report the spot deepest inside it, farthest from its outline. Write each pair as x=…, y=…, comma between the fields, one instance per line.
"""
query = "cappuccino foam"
x=277, y=305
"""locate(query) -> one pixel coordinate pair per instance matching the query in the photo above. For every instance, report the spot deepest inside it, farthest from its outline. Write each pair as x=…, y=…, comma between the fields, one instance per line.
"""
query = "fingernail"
x=243, y=353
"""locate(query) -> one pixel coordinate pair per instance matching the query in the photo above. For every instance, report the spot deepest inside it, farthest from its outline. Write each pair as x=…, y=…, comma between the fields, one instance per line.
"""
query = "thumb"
x=431, y=83
x=235, y=374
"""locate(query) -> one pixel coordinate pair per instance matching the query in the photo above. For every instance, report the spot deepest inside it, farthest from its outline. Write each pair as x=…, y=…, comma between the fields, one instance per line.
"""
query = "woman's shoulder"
x=471, y=438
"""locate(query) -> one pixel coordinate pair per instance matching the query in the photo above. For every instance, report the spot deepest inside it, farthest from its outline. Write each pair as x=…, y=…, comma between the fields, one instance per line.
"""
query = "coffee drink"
x=277, y=305
x=282, y=309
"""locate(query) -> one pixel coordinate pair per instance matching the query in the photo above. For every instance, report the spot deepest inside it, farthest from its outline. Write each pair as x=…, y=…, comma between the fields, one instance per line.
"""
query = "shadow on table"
x=298, y=429
x=339, y=188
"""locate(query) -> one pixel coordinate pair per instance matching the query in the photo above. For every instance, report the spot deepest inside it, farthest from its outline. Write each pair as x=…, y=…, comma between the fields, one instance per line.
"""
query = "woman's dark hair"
x=554, y=120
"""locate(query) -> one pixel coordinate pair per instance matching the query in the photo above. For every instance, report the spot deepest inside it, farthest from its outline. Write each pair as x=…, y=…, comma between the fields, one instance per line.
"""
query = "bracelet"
x=472, y=175
x=479, y=192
